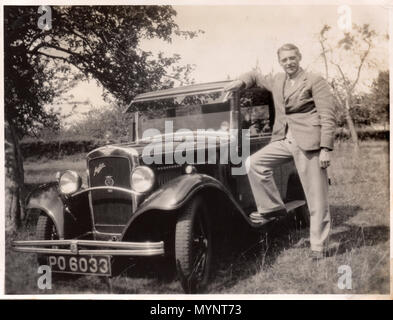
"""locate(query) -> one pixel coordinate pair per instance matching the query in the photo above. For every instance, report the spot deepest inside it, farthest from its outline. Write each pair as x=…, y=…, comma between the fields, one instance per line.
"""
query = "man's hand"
x=234, y=85
x=324, y=158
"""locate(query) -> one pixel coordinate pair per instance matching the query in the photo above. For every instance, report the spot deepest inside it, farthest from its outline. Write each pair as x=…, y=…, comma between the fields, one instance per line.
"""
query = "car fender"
x=174, y=194
x=47, y=199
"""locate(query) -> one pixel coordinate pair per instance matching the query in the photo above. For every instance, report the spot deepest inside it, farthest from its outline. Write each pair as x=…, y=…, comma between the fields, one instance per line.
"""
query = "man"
x=303, y=130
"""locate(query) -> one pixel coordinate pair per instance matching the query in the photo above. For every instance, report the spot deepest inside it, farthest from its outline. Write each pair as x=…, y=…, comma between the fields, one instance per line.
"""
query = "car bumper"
x=90, y=247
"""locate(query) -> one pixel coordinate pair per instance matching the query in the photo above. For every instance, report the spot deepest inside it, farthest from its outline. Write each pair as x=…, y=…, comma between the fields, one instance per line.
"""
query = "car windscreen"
x=200, y=111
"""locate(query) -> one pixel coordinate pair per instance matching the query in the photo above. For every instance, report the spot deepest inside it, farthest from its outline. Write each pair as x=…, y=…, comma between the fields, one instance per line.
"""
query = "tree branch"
x=324, y=58
x=83, y=38
x=345, y=80
x=70, y=53
x=51, y=56
x=37, y=36
x=35, y=50
x=337, y=94
x=361, y=64
x=60, y=58
x=63, y=50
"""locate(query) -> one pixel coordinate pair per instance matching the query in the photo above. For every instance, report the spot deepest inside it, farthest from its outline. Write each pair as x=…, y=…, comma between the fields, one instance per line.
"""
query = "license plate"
x=93, y=265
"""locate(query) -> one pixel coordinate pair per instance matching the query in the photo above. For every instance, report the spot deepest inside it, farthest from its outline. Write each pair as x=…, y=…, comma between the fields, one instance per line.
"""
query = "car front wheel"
x=193, y=246
x=46, y=230
x=302, y=217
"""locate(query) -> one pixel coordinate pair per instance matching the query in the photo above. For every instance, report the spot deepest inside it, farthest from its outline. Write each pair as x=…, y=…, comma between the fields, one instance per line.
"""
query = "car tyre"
x=302, y=217
x=193, y=246
x=46, y=230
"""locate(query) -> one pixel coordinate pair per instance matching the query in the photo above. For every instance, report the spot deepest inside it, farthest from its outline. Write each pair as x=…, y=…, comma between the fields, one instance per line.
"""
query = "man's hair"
x=288, y=46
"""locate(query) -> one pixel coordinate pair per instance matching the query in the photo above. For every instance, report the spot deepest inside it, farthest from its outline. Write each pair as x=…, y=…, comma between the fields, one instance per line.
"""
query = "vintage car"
x=171, y=192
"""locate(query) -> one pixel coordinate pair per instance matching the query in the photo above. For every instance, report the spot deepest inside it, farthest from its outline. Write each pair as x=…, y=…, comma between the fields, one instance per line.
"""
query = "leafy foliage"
x=26, y=80
x=371, y=108
x=347, y=57
x=110, y=123
x=99, y=42
x=378, y=99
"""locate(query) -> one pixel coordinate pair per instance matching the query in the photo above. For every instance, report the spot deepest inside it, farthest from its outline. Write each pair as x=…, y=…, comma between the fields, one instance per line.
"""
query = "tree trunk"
x=14, y=180
x=351, y=126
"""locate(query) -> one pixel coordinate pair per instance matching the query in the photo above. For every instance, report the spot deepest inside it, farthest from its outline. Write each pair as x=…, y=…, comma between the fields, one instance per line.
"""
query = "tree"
x=98, y=124
x=83, y=42
x=348, y=56
x=378, y=99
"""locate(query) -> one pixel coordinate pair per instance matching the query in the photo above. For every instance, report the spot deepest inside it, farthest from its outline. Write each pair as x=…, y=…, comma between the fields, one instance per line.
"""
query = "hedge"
x=363, y=134
x=58, y=148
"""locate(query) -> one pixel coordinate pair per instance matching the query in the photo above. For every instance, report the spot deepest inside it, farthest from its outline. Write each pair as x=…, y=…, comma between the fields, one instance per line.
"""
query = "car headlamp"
x=69, y=182
x=142, y=179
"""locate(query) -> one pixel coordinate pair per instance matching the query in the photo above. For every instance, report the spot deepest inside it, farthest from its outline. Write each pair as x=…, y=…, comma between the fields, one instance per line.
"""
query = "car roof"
x=184, y=90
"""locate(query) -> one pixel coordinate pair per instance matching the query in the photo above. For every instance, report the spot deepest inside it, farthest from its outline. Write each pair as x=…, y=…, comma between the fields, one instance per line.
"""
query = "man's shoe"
x=259, y=218
x=269, y=215
x=262, y=218
x=256, y=215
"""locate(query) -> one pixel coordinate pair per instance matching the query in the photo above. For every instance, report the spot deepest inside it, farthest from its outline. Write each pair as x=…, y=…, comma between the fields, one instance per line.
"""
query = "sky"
x=237, y=38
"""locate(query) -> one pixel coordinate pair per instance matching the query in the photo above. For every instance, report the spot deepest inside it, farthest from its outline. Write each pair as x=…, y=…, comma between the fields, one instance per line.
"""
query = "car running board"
x=289, y=206
x=292, y=205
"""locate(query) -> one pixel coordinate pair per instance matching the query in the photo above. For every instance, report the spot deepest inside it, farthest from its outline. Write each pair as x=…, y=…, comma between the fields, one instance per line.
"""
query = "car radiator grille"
x=111, y=208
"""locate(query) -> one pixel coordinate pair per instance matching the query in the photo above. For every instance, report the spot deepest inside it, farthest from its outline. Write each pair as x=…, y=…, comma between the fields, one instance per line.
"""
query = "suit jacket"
x=308, y=108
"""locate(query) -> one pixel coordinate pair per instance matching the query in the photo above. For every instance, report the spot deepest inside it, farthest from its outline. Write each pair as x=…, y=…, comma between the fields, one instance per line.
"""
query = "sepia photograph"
x=237, y=149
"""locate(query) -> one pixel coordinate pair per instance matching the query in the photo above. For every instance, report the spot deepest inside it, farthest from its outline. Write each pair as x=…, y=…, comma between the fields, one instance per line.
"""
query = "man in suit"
x=303, y=131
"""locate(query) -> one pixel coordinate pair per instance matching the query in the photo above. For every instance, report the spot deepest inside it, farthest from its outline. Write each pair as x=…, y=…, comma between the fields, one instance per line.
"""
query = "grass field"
x=278, y=263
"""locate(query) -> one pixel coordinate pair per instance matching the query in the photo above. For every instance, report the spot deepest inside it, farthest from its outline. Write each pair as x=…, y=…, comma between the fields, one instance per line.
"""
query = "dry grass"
x=278, y=263
x=44, y=170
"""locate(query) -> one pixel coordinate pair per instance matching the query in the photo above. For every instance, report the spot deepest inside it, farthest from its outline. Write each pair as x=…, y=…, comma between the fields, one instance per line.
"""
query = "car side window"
x=255, y=107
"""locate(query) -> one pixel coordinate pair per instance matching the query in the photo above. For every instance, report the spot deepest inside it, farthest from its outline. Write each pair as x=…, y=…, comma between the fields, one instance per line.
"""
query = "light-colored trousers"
x=314, y=180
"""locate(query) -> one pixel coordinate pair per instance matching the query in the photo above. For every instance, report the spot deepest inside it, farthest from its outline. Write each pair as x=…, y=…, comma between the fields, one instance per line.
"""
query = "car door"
x=256, y=116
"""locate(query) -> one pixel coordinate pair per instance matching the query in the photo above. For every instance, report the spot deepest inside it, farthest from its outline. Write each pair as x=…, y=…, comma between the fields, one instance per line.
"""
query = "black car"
x=167, y=193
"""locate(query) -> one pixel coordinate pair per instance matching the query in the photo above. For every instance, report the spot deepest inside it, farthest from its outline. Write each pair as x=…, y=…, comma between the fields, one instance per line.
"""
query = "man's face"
x=289, y=60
